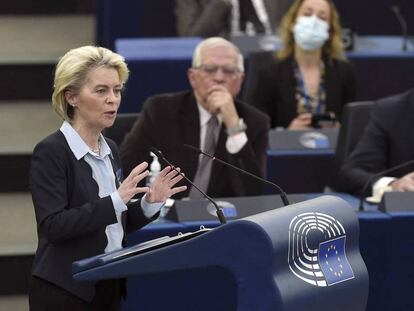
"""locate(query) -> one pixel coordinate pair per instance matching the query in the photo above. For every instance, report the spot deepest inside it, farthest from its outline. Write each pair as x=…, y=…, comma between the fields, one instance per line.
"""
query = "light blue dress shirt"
x=103, y=174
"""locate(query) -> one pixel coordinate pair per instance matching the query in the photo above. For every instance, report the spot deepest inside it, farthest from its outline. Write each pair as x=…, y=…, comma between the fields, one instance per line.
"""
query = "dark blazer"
x=207, y=18
x=388, y=141
x=170, y=120
x=273, y=88
x=71, y=218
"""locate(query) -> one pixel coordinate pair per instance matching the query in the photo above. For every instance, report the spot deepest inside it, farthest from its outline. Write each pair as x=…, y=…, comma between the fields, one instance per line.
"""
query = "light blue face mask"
x=310, y=32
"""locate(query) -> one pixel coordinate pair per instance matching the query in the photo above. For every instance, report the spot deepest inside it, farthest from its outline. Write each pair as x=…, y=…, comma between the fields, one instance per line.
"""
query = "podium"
x=303, y=256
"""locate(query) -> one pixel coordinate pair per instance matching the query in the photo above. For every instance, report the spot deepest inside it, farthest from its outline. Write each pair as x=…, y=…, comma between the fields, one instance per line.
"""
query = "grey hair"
x=216, y=42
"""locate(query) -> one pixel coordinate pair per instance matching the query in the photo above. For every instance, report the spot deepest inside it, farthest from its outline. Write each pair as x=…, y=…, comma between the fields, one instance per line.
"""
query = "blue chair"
x=355, y=117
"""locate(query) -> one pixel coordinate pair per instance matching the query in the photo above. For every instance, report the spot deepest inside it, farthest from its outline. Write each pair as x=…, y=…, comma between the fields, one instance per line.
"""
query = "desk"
x=300, y=161
x=299, y=171
x=382, y=68
x=385, y=241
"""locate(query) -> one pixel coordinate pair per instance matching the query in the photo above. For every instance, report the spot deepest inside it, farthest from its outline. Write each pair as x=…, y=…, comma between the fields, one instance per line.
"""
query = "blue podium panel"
x=375, y=246
x=385, y=246
x=402, y=260
x=169, y=291
x=301, y=257
x=323, y=280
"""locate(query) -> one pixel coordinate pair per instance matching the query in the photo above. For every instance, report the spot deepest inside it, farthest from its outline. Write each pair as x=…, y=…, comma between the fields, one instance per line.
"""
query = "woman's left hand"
x=163, y=186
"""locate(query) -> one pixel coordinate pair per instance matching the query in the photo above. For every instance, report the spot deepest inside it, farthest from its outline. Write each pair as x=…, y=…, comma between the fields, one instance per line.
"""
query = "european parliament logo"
x=317, y=250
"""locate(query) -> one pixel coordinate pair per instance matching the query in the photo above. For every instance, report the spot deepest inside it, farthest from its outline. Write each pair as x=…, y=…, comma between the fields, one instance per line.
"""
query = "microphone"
x=389, y=170
x=219, y=211
x=281, y=192
x=403, y=24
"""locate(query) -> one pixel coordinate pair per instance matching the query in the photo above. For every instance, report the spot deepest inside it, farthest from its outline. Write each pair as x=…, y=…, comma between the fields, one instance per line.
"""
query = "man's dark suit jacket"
x=170, y=120
x=71, y=218
x=208, y=18
x=272, y=88
x=387, y=141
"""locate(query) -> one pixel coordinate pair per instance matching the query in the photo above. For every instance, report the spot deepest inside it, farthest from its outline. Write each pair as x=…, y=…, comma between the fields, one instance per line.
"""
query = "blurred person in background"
x=208, y=117
x=310, y=76
x=388, y=141
x=207, y=18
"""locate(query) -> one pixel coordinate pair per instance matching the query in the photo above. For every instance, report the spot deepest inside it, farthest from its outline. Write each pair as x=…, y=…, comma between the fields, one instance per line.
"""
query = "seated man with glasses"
x=210, y=118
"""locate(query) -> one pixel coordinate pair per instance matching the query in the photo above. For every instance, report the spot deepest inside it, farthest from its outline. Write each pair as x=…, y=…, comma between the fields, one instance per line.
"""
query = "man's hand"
x=405, y=183
x=221, y=102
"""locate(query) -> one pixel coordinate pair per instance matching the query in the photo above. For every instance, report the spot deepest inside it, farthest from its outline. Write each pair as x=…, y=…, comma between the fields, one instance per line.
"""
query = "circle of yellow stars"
x=336, y=273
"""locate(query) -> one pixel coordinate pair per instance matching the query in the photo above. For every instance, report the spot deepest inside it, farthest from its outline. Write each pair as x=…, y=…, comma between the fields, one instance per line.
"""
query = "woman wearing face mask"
x=311, y=74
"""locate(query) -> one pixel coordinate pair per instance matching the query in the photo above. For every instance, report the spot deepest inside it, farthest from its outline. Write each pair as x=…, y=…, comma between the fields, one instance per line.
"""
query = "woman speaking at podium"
x=310, y=79
x=82, y=204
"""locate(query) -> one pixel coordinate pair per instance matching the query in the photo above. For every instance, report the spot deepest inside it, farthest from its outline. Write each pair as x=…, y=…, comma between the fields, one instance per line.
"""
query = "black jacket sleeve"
x=52, y=180
x=202, y=18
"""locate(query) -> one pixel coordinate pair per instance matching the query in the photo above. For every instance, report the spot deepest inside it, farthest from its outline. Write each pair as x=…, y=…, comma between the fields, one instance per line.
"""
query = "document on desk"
x=100, y=260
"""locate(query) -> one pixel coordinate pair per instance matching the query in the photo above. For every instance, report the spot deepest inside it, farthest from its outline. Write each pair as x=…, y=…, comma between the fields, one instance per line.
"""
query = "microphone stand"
x=281, y=192
x=219, y=211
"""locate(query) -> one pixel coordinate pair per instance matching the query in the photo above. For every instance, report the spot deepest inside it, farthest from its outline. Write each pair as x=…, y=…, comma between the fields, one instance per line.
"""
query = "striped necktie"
x=202, y=177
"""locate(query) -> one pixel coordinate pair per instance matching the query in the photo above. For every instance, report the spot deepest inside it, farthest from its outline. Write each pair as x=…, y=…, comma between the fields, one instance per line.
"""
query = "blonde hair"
x=216, y=42
x=74, y=66
x=333, y=47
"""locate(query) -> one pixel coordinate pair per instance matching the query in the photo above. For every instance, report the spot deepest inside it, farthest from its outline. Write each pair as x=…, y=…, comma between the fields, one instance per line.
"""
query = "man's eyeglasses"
x=230, y=71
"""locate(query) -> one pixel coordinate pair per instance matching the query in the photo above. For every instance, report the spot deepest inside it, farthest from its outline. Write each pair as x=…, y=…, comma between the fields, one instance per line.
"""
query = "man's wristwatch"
x=238, y=128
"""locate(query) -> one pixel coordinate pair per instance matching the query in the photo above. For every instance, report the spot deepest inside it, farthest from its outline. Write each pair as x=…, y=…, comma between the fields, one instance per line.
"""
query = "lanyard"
x=307, y=98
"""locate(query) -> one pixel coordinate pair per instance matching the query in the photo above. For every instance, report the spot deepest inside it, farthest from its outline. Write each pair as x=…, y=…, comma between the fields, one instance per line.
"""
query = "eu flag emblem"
x=333, y=262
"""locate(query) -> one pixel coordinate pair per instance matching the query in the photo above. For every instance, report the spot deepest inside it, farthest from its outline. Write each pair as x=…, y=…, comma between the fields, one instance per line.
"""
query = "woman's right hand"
x=301, y=122
x=129, y=188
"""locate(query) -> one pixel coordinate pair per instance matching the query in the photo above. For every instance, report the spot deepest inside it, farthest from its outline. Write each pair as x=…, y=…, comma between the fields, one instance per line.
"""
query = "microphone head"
x=395, y=9
x=199, y=151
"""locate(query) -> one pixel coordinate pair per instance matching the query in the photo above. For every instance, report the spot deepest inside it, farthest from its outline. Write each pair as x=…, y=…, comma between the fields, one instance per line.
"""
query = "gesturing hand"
x=129, y=188
x=163, y=186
